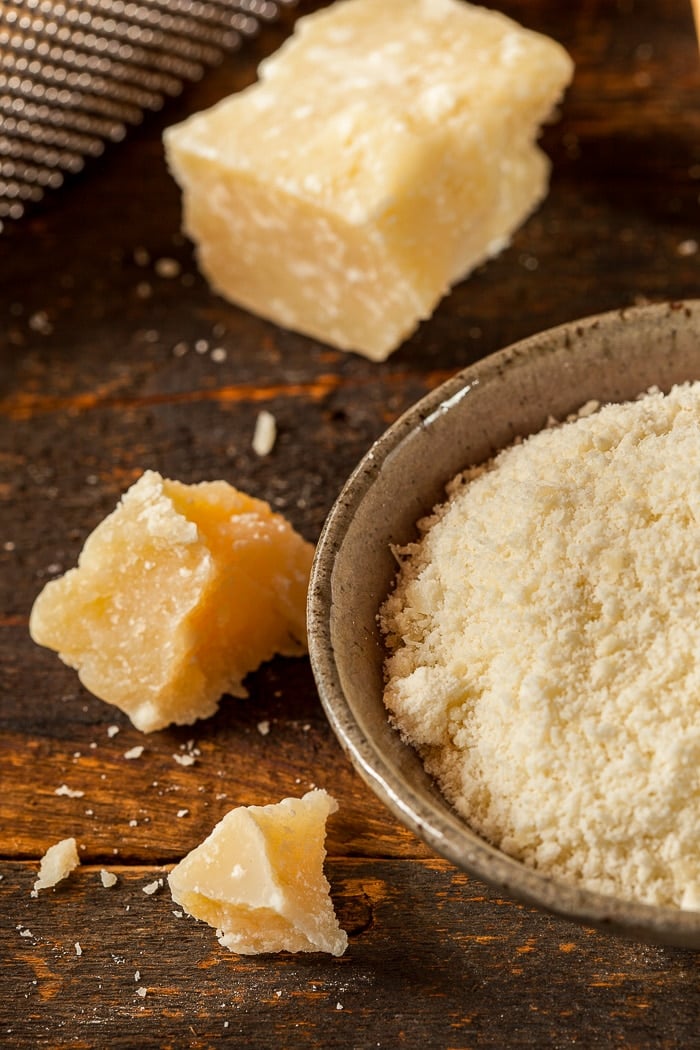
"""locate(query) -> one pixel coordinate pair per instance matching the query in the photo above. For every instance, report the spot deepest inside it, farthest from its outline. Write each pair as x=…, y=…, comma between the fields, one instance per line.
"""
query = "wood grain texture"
x=434, y=960
x=106, y=368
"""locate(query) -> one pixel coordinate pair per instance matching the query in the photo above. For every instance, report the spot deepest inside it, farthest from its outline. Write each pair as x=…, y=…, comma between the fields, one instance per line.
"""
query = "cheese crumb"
x=197, y=585
x=108, y=878
x=185, y=760
x=134, y=752
x=153, y=887
x=543, y=639
x=385, y=151
x=168, y=268
x=69, y=792
x=56, y=864
x=258, y=879
x=265, y=433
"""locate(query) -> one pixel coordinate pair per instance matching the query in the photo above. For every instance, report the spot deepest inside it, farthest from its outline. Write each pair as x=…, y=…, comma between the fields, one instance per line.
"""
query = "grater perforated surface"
x=76, y=74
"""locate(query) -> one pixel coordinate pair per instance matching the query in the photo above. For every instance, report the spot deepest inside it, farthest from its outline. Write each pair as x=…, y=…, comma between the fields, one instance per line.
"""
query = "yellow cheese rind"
x=385, y=150
x=258, y=879
x=178, y=594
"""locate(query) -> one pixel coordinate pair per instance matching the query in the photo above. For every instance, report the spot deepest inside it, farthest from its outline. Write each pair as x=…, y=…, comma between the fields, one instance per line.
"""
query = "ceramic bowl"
x=612, y=357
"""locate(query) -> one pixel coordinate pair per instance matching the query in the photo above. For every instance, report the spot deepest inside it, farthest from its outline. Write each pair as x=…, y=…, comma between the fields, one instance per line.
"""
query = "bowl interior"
x=612, y=357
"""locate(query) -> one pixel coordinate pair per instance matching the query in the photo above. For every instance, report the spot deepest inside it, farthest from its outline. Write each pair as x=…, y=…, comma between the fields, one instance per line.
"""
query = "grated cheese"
x=543, y=639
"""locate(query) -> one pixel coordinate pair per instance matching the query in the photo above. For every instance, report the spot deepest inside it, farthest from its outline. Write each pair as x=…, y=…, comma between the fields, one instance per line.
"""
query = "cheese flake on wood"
x=258, y=879
x=178, y=594
x=265, y=433
x=56, y=864
x=385, y=151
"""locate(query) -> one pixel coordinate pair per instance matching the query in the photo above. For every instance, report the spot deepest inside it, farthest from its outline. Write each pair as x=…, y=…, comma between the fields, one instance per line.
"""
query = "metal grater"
x=76, y=74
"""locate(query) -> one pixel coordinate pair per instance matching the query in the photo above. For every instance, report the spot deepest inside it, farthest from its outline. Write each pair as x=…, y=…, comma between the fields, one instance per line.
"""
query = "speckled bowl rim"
x=387, y=765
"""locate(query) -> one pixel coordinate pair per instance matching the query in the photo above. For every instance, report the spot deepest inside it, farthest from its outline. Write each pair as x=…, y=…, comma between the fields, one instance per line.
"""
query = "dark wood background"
x=101, y=378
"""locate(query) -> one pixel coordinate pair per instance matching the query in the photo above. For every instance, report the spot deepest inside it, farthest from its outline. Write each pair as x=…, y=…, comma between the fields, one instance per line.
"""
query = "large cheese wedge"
x=258, y=878
x=178, y=594
x=386, y=149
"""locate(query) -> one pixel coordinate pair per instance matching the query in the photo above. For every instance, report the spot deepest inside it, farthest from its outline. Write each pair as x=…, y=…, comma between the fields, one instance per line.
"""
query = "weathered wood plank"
x=56, y=737
x=434, y=960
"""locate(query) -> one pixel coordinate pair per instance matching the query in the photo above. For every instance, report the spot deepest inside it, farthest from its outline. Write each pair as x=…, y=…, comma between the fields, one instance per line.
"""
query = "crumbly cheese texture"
x=544, y=637
x=177, y=596
x=258, y=878
x=386, y=149
x=56, y=864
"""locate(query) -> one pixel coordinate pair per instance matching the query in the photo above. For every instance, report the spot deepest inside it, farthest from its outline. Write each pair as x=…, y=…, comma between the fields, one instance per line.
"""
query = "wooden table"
x=108, y=367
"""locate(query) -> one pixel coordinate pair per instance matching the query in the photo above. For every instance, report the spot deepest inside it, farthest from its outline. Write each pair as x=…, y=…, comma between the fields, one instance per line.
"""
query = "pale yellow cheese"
x=386, y=150
x=544, y=637
x=56, y=864
x=178, y=594
x=258, y=878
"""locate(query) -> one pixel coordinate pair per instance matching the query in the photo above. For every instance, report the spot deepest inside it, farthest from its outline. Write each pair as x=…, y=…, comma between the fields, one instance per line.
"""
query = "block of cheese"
x=386, y=149
x=177, y=595
x=56, y=864
x=258, y=879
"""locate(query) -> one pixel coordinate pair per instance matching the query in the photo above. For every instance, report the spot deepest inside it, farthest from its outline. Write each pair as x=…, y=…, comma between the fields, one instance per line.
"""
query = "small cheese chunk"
x=178, y=594
x=56, y=864
x=386, y=150
x=258, y=878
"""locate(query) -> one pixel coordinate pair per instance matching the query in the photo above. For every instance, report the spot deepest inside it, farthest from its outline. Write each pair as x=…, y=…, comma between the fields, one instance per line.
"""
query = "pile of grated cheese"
x=544, y=649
